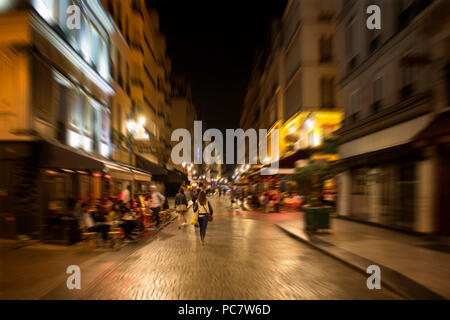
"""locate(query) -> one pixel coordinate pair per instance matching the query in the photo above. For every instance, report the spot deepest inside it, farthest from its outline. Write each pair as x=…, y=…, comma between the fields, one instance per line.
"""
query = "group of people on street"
x=267, y=201
x=130, y=215
x=202, y=209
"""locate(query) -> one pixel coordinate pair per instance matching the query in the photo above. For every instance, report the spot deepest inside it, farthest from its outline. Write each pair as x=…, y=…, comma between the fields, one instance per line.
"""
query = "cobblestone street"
x=246, y=257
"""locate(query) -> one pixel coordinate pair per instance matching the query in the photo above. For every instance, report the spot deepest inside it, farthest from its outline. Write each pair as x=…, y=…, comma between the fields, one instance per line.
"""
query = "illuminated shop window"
x=62, y=14
x=6, y=5
x=46, y=9
x=95, y=43
x=103, y=61
x=85, y=39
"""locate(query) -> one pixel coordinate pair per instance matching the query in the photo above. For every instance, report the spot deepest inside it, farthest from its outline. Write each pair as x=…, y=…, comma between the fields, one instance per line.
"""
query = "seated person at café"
x=90, y=224
x=100, y=213
x=116, y=215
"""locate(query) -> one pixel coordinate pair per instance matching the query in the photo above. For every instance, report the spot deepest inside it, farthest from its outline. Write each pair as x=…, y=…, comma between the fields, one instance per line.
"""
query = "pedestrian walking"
x=181, y=207
x=203, y=209
x=156, y=203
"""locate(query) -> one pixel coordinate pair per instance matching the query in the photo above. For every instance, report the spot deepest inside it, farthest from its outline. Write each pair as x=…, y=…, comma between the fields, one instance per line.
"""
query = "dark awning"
x=175, y=176
x=147, y=165
x=438, y=131
x=289, y=161
x=396, y=153
x=59, y=156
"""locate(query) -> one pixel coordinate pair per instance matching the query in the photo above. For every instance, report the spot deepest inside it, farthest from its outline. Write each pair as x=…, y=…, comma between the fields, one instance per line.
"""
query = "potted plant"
x=310, y=182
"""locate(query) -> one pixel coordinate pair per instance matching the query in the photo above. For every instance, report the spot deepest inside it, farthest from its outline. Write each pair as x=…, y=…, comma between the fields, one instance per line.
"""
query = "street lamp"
x=131, y=125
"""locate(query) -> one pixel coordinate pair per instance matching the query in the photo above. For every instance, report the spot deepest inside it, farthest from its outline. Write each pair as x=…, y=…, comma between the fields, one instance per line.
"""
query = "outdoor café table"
x=129, y=218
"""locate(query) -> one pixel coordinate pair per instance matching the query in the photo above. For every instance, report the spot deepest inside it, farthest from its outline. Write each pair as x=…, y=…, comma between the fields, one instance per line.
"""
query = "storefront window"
x=359, y=182
x=85, y=39
x=95, y=43
x=56, y=194
x=62, y=14
x=46, y=9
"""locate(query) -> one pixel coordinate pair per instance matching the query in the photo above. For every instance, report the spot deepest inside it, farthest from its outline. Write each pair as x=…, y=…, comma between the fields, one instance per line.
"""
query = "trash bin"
x=317, y=218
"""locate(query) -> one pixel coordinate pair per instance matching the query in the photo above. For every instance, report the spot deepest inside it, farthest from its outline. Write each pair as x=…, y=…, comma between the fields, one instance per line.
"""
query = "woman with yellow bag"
x=203, y=213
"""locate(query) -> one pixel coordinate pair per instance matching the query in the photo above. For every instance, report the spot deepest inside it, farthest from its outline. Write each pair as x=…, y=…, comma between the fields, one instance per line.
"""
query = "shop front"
x=66, y=176
x=142, y=182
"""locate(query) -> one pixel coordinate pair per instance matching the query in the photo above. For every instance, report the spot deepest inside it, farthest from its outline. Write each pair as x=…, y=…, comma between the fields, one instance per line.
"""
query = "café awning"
x=141, y=176
x=59, y=156
x=438, y=131
x=117, y=171
x=149, y=166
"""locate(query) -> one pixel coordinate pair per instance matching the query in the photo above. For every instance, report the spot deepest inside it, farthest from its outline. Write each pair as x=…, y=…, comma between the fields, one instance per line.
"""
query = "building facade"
x=55, y=115
x=394, y=83
x=293, y=86
x=84, y=108
x=142, y=109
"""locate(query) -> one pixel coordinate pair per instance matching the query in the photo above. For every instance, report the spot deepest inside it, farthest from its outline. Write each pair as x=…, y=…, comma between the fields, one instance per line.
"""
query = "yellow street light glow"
x=309, y=124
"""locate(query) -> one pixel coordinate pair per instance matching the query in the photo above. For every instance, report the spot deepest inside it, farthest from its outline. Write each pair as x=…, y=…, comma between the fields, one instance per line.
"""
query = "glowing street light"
x=131, y=125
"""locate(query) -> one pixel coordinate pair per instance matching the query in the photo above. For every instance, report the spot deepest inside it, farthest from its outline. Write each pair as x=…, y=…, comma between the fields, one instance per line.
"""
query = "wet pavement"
x=246, y=257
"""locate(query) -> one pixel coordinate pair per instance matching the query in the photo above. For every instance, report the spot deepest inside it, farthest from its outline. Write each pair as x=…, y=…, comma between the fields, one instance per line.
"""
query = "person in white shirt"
x=156, y=203
x=90, y=223
x=126, y=194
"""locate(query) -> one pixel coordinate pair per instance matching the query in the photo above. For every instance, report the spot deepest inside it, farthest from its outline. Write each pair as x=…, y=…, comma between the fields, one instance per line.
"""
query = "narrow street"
x=246, y=257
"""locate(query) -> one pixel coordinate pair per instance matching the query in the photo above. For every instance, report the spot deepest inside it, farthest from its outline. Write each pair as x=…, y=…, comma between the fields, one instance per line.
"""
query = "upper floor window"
x=326, y=48
x=408, y=77
x=327, y=92
x=355, y=105
x=350, y=43
x=377, y=95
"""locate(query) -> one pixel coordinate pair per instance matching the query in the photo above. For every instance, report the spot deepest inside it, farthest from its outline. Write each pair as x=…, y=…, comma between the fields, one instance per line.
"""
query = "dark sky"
x=212, y=43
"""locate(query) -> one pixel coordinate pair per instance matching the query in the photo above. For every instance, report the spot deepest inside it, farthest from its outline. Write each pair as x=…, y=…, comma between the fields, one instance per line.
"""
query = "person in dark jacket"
x=181, y=207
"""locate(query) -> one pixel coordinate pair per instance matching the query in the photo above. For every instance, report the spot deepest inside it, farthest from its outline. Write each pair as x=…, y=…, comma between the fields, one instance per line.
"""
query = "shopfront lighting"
x=309, y=124
x=68, y=171
x=5, y=5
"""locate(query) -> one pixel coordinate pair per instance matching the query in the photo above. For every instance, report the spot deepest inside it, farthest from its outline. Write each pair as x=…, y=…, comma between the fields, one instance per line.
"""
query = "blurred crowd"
x=131, y=216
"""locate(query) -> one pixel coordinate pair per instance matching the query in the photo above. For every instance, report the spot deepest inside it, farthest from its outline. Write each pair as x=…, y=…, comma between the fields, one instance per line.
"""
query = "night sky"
x=213, y=43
